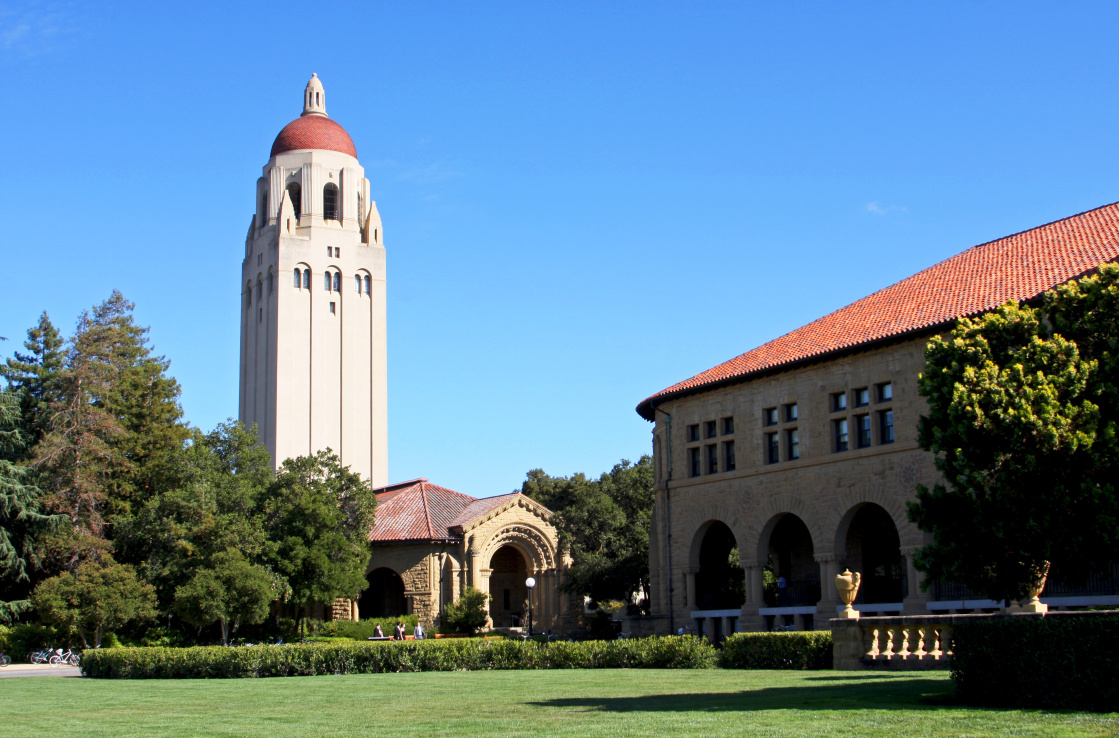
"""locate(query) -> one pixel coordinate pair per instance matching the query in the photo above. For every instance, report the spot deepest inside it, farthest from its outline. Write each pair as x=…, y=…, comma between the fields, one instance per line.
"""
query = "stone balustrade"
x=904, y=643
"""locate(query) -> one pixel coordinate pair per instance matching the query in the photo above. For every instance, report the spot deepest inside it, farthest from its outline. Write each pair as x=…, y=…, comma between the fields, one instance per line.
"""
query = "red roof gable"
x=1018, y=267
x=417, y=511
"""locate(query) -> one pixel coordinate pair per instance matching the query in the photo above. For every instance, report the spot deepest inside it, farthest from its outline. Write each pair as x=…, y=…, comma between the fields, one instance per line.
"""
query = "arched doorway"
x=384, y=598
x=873, y=549
x=794, y=575
x=508, y=571
x=720, y=583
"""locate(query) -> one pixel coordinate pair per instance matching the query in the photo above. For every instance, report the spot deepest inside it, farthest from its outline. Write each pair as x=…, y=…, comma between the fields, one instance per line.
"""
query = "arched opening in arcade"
x=384, y=598
x=873, y=549
x=509, y=603
x=720, y=583
x=793, y=576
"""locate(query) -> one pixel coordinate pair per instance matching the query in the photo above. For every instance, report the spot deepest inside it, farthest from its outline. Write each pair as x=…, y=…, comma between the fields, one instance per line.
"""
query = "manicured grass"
x=498, y=703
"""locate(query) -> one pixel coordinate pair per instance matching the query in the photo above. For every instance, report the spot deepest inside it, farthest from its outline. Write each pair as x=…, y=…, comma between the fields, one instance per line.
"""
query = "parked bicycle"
x=60, y=657
x=41, y=656
x=5, y=659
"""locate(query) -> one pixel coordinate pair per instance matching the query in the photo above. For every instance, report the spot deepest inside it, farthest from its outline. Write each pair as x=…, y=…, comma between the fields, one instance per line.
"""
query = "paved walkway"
x=39, y=670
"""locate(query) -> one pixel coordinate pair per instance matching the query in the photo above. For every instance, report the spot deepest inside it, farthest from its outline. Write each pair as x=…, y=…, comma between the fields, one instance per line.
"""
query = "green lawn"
x=496, y=703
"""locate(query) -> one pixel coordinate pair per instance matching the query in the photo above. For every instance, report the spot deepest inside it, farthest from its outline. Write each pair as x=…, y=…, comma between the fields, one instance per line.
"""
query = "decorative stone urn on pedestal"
x=1033, y=603
x=848, y=586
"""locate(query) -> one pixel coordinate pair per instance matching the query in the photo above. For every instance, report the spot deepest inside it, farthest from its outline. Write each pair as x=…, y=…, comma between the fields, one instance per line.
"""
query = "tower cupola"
x=314, y=97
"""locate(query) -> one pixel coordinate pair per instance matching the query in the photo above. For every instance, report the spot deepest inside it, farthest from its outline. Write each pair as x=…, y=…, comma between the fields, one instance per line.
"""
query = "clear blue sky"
x=583, y=203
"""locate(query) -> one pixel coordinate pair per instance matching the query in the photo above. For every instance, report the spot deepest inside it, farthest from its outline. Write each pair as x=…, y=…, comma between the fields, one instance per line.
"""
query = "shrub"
x=307, y=659
x=467, y=614
x=1062, y=660
x=20, y=640
x=363, y=630
x=798, y=650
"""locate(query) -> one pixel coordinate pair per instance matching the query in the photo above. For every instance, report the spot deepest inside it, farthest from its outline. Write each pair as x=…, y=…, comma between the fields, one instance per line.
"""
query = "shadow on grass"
x=890, y=693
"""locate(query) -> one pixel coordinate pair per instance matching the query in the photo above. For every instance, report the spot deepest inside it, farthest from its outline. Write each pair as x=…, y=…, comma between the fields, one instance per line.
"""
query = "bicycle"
x=61, y=657
x=5, y=659
x=41, y=656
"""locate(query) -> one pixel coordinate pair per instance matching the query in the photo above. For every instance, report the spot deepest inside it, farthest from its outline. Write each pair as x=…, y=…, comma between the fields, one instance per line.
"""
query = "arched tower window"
x=248, y=294
x=367, y=284
x=270, y=282
x=298, y=279
x=263, y=209
x=330, y=201
x=295, y=192
x=338, y=281
x=357, y=283
x=307, y=278
x=326, y=281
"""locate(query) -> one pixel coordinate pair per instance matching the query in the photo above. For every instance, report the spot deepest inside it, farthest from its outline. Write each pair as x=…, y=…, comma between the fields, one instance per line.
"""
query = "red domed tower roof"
x=313, y=129
x=313, y=132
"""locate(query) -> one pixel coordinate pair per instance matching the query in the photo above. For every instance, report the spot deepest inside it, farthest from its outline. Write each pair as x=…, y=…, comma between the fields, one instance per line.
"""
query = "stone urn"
x=848, y=585
x=1033, y=602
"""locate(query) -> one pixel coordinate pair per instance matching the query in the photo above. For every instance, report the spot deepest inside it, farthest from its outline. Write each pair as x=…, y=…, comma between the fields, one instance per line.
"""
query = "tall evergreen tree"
x=34, y=378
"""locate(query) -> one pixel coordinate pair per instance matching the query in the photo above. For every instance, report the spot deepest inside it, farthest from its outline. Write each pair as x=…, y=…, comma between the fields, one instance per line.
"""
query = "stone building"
x=313, y=349
x=429, y=543
x=783, y=466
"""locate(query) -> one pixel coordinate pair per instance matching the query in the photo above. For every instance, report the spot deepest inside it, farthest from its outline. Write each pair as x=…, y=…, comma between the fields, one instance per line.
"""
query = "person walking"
x=418, y=632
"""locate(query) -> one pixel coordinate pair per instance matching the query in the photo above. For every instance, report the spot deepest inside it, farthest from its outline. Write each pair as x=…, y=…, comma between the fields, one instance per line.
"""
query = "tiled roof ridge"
x=934, y=296
x=427, y=512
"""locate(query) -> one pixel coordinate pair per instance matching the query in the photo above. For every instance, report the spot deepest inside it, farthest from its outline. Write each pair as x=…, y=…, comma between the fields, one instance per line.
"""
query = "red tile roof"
x=1018, y=267
x=313, y=132
x=420, y=511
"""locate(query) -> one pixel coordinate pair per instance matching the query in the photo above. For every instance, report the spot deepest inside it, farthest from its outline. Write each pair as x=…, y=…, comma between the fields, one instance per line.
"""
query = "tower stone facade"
x=313, y=329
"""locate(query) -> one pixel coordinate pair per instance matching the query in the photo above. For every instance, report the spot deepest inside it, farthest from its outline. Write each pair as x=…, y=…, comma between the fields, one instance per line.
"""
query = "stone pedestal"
x=847, y=644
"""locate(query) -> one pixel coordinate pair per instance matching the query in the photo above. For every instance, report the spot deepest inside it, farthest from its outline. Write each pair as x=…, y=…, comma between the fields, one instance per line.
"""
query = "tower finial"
x=314, y=98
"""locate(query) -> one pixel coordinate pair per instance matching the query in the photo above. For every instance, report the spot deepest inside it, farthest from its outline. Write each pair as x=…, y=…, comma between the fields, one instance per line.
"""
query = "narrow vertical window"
x=264, y=209
x=326, y=281
x=728, y=455
x=329, y=251
x=307, y=278
x=693, y=461
x=270, y=283
x=862, y=397
x=332, y=308
x=338, y=281
x=711, y=428
x=885, y=392
x=693, y=432
x=728, y=426
x=298, y=279
x=772, y=449
x=330, y=201
x=838, y=401
x=295, y=192
x=841, y=435
x=886, y=426
x=792, y=444
x=769, y=416
x=367, y=284
x=862, y=430
x=249, y=294
x=712, y=459
x=357, y=283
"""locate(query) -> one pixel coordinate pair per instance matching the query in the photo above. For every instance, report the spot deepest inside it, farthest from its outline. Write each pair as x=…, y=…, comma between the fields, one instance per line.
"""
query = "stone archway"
x=720, y=582
x=384, y=598
x=871, y=546
x=520, y=550
x=787, y=548
x=508, y=571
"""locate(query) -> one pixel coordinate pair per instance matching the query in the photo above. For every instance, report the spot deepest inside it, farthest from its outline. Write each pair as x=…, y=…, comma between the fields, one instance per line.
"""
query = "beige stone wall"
x=823, y=488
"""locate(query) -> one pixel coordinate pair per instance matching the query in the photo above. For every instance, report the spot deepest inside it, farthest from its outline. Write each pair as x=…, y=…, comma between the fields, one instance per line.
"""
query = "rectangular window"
x=886, y=426
x=862, y=430
x=712, y=428
x=728, y=426
x=885, y=392
x=790, y=412
x=712, y=459
x=332, y=308
x=728, y=455
x=693, y=461
x=862, y=397
x=838, y=402
x=772, y=449
x=693, y=433
x=329, y=251
x=769, y=415
x=840, y=435
x=792, y=444
x=259, y=314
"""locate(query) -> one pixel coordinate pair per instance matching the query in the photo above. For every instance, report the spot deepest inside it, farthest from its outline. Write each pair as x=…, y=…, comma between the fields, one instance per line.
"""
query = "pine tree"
x=34, y=378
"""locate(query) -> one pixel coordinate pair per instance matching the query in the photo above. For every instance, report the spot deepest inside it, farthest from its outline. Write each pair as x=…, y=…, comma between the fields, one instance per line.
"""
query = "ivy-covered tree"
x=604, y=524
x=1022, y=420
x=318, y=514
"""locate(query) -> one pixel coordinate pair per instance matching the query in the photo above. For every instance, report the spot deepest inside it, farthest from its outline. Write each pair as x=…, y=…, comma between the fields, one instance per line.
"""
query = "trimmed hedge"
x=1061, y=660
x=310, y=659
x=796, y=650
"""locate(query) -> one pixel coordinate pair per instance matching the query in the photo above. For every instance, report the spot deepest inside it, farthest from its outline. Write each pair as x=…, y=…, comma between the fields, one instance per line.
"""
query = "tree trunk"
x=224, y=632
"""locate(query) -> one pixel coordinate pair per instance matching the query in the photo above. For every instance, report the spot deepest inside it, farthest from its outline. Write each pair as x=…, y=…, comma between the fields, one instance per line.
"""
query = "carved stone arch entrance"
x=512, y=553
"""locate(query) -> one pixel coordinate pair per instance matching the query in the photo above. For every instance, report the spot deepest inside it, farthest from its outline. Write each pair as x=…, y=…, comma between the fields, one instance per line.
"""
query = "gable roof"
x=1018, y=267
x=418, y=510
x=478, y=508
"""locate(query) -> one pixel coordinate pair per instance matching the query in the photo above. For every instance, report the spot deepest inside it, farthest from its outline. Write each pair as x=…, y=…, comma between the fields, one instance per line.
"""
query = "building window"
x=357, y=283
x=711, y=428
x=886, y=426
x=693, y=432
x=249, y=294
x=326, y=281
x=769, y=415
x=693, y=461
x=329, y=251
x=330, y=201
x=885, y=392
x=712, y=459
x=264, y=209
x=366, y=278
x=332, y=308
x=728, y=455
x=792, y=444
x=338, y=281
x=791, y=412
x=270, y=283
x=298, y=279
x=728, y=426
x=838, y=401
x=337, y=251
x=307, y=278
x=862, y=397
x=259, y=314
x=772, y=449
x=841, y=435
x=295, y=192
x=862, y=430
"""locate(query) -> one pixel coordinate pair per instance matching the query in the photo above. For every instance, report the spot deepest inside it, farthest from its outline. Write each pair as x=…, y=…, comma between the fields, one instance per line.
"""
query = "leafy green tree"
x=1022, y=421
x=467, y=614
x=604, y=524
x=21, y=517
x=318, y=514
x=95, y=598
x=34, y=378
x=230, y=591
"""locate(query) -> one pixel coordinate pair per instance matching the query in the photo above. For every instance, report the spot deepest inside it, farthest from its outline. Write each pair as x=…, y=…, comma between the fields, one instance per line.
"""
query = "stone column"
x=751, y=620
x=829, y=595
x=709, y=629
x=847, y=646
x=917, y=603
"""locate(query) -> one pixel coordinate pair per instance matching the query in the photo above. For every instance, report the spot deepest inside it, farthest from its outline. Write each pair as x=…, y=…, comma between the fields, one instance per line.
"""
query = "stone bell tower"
x=313, y=345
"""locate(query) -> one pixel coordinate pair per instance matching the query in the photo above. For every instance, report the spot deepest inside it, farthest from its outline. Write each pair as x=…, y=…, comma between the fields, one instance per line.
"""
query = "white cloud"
x=879, y=209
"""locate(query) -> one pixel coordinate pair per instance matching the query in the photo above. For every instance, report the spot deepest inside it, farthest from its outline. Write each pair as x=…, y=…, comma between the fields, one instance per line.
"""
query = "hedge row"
x=1062, y=660
x=796, y=650
x=387, y=657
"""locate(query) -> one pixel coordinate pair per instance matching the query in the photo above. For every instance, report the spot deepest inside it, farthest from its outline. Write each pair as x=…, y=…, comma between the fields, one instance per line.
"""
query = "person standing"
x=399, y=634
x=418, y=632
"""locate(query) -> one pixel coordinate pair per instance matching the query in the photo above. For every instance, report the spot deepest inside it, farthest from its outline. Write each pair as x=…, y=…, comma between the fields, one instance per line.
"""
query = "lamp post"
x=530, y=583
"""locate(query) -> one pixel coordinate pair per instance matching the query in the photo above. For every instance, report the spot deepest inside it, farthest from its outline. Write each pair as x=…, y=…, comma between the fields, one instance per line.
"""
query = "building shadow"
x=872, y=693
